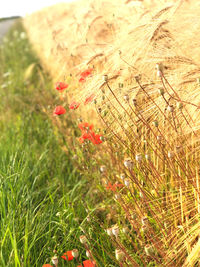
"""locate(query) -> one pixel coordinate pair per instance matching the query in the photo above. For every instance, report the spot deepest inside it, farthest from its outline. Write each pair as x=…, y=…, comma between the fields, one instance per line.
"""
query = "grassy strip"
x=40, y=191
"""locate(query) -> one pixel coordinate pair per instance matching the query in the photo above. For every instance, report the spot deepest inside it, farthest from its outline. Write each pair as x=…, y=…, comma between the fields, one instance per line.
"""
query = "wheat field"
x=144, y=94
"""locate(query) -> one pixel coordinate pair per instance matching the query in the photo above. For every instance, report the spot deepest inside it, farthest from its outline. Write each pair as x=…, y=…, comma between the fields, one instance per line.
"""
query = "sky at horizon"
x=10, y=8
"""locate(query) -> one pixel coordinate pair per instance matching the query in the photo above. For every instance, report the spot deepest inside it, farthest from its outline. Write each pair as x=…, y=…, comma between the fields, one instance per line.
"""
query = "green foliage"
x=41, y=193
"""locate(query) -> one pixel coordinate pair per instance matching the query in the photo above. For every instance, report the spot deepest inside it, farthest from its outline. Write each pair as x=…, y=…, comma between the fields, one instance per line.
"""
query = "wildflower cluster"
x=86, y=129
x=89, y=134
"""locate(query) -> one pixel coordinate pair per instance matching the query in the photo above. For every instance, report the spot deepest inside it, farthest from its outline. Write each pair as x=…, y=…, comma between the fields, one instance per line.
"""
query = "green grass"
x=41, y=193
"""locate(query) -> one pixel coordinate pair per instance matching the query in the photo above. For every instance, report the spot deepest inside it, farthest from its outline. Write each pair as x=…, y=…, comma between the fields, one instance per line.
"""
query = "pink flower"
x=59, y=110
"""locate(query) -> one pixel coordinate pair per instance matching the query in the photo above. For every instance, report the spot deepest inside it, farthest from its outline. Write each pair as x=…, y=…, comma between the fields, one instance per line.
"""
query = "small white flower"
x=170, y=108
x=75, y=253
x=115, y=230
x=119, y=255
x=55, y=260
x=127, y=182
x=144, y=221
x=105, y=78
x=128, y=163
x=102, y=168
x=122, y=176
x=138, y=157
x=125, y=230
x=126, y=97
x=147, y=156
x=149, y=250
x=6, y=74
x=88, y=254
x=109, y=231
x=23, y=35
x=83, y=239
x=170, y=154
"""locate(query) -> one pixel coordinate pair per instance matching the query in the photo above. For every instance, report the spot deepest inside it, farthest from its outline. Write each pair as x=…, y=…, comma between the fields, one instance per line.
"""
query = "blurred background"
x=12, y=8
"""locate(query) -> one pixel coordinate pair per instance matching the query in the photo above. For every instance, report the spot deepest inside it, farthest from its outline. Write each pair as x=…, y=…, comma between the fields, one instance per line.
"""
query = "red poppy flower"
x=86, y=73
x=84, y=136
x=89, y=99
x=84, y=126
x=60, y=86
x=88, y=263
x=69, y=256
x=47, y=265
x=82, y=80
x=97, y=139
x=110, y=187
x=81, y=140
x=74, y=105
x=59, y=110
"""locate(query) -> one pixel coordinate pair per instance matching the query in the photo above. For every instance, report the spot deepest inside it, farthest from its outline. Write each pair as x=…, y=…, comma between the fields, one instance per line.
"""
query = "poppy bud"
x=138, y=158
x=128, y=163
x=125, y=230
x=144, y=221
x=83, y=239
x=117, y=196
x=155, y=123
x=75, y=253
x=159, y=66
x=105, y=78
x=127, y=182
x=122, y=176
x=138, y=78
x=161, y=91
x=149, y=250
x=159, y=138
x=88, y=254
x=126, y=98
x=115, y=230
x=147, y=156
x=179, y=105
x=103, y=168
x=55, y=260
x=170, y=108
x=102, y=138
x=159, y=73
x=178, y=149
x=109, y=231
x=144, y=229
x=119, y=255
x=170, y=154
x=105, y=113
x=134, y=102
